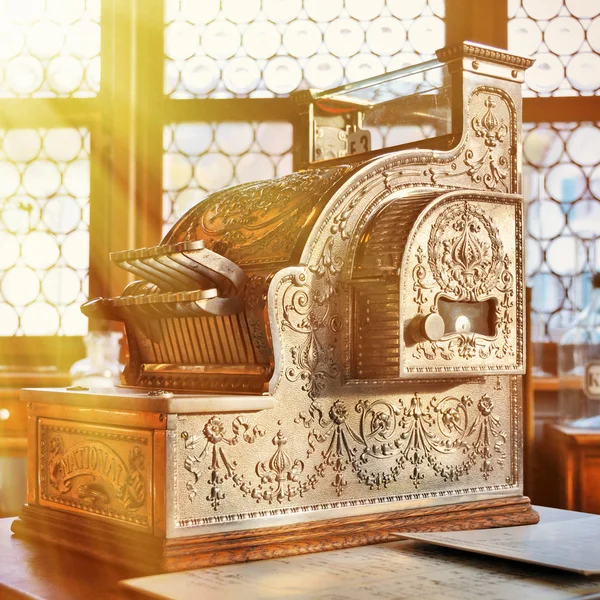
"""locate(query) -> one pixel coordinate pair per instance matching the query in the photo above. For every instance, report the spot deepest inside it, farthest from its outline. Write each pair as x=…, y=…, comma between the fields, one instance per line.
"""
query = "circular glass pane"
x=565, y=182
x=40, y=250
x=40, y=318
x=61, y=214
x=254, y=167
x=234, y=138
x=545, y=220
x=548, y=293
x=564, y=35
x=63, y=144
x=584, y=219
x=302, y=38
x=324, y=71
x=83, y=39
x=583, y=71
x=200, y=12
x=9, y=250
x=22, y=145
x=274, y=138
x=285, y=166
x=240, y=11
x=193, y=139
x=65, y=11
x=427, y=34
x=534, y=256
x=542, y=10
x=77, y=178
x=546, y=74
x=282, y=11
x=543, y=147
x=344, y=37
x=583, y=145
x=200, y=75
x=177, y=171
x=386, y=36
x=595, y=183
x=45, y=39
x=583, y=9
x=20, y=214
x=364, y=11
x=261, y=40
x=181, y=40
x=282, y=75
x=566, y=255
x=406, y=10
x=531, y=181
x=321, y=11
x=76, y=249
x=364, y=66
x=213, y=171
x=524, y=36
x=221, y=39
x=185, y=200
x=65, y=74
x=20, y=286
x=13, y=40
x=24, y=74
x=41, y=178
x=241, y=75
x=9, y=320
x=61, y=286
x=593, y=34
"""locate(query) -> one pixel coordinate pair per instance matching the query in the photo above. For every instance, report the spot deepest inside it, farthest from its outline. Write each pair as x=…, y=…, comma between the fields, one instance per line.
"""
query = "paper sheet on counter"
x=562, y=540
x=398, y=570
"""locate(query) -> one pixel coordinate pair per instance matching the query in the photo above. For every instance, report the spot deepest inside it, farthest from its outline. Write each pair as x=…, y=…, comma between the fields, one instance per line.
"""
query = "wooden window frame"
x=126, y=122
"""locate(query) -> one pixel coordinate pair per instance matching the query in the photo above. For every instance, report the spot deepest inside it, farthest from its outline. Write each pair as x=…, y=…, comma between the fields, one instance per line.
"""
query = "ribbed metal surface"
x=197, y=341
x=377, y=330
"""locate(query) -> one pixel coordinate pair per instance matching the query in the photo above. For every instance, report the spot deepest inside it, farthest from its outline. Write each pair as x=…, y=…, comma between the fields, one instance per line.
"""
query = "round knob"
x=430, y=327
x=433, y=327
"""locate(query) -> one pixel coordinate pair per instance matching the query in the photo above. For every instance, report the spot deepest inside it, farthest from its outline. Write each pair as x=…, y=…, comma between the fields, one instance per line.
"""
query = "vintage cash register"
x=320, y=360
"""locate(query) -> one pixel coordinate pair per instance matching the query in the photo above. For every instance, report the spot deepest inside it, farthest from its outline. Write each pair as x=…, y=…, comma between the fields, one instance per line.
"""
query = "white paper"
x=399, y=570
x=562, y=540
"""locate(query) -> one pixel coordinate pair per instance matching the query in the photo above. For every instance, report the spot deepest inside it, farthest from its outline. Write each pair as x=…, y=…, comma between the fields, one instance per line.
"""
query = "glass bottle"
x=100, y=368
x=579, y=366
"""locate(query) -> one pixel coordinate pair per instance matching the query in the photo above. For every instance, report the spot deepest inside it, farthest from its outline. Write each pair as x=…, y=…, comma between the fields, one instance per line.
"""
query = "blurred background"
x=116, y=116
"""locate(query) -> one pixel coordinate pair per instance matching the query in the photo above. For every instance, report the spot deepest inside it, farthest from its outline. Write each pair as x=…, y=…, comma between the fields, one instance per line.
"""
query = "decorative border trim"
x=471, y=50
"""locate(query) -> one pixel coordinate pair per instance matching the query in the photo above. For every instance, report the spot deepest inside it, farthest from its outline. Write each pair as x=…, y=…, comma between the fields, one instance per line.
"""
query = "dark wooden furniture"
x=572, y=460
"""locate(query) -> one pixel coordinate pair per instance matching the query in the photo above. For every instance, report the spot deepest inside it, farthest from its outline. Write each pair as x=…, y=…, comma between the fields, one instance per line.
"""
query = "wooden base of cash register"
x=149, y=554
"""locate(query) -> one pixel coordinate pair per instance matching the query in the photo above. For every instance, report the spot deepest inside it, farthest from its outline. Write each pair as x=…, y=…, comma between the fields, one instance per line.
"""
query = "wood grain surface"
x=145, y=553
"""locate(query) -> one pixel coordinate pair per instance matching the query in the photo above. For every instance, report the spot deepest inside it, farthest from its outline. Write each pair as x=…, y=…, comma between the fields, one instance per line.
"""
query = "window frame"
x=126, y=121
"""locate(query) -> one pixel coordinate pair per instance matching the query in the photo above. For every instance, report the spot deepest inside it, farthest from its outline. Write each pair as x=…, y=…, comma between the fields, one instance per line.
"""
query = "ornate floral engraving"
x=419, y=281
x=220, y=468
x=258, y=222
x=418, y=436
x=280, y=475
x=489, y=165
x=467, y=262
x=307, y=311
x=465, y=252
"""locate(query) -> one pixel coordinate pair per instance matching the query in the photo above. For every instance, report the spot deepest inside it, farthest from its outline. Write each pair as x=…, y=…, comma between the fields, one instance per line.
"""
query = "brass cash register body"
x=318, y=360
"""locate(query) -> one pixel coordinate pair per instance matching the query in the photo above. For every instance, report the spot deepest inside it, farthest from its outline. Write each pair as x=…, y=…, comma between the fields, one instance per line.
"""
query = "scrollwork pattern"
x=220, y=467
x=467, y=262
